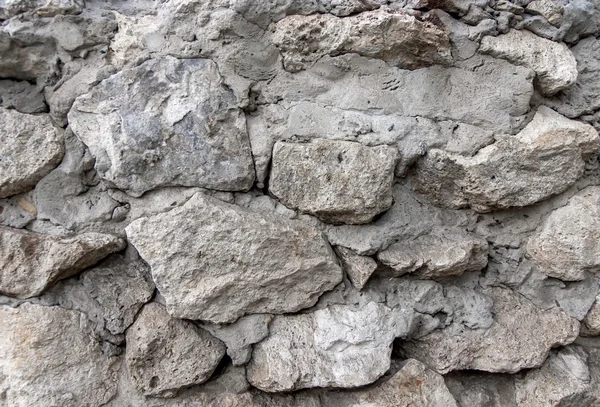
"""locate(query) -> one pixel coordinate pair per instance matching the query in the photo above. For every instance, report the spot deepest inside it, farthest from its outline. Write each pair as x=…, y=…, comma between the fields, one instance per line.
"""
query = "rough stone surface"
x=566, y=245
x=167, y=122
x=544, y=159
x=216, y=262
x=554, y=64
x=30, y=147
x=394, y=37
x=165, y=354
x=31, y=262
x=337, y=181
x=49, y=357
x=358, y=268
x=591, y=323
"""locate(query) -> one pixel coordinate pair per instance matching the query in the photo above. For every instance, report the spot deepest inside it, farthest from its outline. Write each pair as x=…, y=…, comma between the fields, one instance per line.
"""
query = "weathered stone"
x=30, y=147
x=165, y=354
x=337, y=181
x=473, y=388
x=358, y=268
x=550, y=10
x=395, y=37
x=23, y=62
x=31, y=262
x=564, y=379
x=413, y=385
x=49, y=358
x=520, y=338
x=241, y=335
x=22, y=96
x=436, y=255
x=554, y=64
x=17, y=211
x=46, y=8
x=166, y=122
x=566, y=245
x=542, y=160
x=216, y=262
x=333, y=347
x=590, y=326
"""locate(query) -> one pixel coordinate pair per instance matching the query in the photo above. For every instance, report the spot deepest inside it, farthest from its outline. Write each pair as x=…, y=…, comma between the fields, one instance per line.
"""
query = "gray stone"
x=520, y=338
x=216, y=262
x=550, y=10
x=17, y=211
x=30, y=147
x=554, y=64
x=395, y=37
x=358, y=268
x=48, y=357
x=169, y=122
x=473, y=388
x=31, y=262
x=580, y=19
x=436, y=255
x=22, y=96
x=165, y=355
x=566, y=245
x=544, y=159
x=45, y=8
x=337, y=181
x=590, y=326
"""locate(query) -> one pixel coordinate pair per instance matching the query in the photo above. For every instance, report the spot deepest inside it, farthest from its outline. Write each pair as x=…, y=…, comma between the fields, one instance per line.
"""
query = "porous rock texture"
x=311, y=203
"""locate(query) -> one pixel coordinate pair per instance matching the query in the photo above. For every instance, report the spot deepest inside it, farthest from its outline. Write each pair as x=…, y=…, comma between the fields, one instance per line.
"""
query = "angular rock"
x=31, y=262
x=166, y=122
x=358, y=268
x=567, y=244
x=549, y=9
x=473, y=388
x=27, y=61
x=337, y=181
x=436, y=255
x=48, y=357
x=30, y=147
x=216, y=262
x=392, y=36
x=22, y=96
x=413, y=385
x=520, y=338
x=590, y=326
x=165, y=354
x=45, y=8
x=542, y=160
x=564, y=379
x=554, y=64
x=333, y=347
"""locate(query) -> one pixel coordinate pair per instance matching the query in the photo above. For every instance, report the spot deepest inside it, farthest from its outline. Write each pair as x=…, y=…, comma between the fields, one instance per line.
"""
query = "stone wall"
x=313, y=203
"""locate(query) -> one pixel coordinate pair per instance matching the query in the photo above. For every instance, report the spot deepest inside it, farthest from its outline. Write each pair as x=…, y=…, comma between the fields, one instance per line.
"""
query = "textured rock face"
x=544, y=159
x=337, y=181
x=165, y=354
x=216, y=262
x=359, y=268
x=166, y=122
x=30, y=262
x=48, y=357
x=566, y=246
x=394, y=37
x=30, y=147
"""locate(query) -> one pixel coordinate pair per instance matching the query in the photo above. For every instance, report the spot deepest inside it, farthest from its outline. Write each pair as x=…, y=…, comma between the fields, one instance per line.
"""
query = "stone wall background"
x=299, y=203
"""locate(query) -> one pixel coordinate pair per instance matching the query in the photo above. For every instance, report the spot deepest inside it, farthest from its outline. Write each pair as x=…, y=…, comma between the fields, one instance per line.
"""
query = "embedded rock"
x=550, y=10
x=543, y=159
x=45, y=8
x=165, y=355
x=358, y=268
x=554, y=64
x=166, y=122
x=567, y=244
x=337, y=346
x=590, y=326
x=474, y=388
x=30, y=147
x=216, y=262
x=337, y=181
x=520, y=338
x=413, y=385
x=22, y=96
x=433, y=256
x=48, y=357
x=392, y=36
x=31, y=262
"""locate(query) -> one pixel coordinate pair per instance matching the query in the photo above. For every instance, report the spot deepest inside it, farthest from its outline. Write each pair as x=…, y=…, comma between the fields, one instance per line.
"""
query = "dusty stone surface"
x=554, y=65
x=591, y=323
x=394, y=37
x=337, y=181
x=472, y=388
x=165, y=354
x=30, y=147
x=171, y=122
x=358, y=268
x=49, y=357
x=565, y=246
x=226, y=252
x=542, y=160
x=31, y=262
